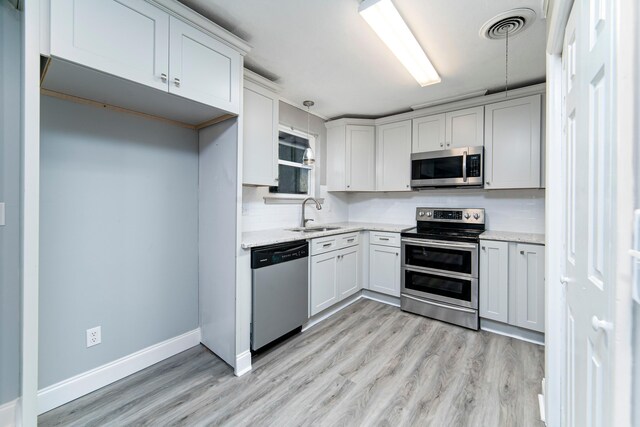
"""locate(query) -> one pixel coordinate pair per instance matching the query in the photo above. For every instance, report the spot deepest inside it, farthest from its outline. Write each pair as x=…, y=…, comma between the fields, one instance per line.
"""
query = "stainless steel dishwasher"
x=280, y=286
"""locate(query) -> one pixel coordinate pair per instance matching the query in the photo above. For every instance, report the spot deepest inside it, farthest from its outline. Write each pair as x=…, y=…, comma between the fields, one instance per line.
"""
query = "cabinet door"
x=260, y=108
x=494, y=280
x=384, y=265
x=336, y=163
x=465, y=128
x=324, y=286
x=203, y=69
x=429, y=133
x=360, y=158
x=529, y=287
x=393, y=157
x=512, y=144
x=348, y=271
x=126, y=39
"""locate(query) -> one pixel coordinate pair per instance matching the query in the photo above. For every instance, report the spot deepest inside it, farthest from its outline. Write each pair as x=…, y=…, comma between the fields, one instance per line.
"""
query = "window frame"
x=296, y=198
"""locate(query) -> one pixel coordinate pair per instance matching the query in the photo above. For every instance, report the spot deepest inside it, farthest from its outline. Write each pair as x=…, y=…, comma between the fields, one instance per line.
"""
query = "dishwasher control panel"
x=265, y=256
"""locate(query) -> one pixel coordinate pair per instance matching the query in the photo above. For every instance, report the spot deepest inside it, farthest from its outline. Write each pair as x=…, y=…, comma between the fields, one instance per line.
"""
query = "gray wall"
x=118, y=235
x=10, y=106
x=292, y=116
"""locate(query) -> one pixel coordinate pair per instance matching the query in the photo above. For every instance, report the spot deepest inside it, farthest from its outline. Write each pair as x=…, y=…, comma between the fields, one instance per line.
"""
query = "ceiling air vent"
x=512, y=21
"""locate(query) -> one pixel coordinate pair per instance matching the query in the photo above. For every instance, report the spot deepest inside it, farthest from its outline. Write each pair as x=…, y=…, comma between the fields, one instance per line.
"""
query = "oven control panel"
x=468, y=216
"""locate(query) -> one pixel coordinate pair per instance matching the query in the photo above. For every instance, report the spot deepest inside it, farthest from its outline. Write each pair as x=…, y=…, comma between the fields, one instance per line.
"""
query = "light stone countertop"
x=251, y=239
x=510, y=236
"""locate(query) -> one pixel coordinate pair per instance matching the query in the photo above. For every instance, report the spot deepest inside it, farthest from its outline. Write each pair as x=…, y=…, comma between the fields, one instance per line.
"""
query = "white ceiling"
x=324, y=51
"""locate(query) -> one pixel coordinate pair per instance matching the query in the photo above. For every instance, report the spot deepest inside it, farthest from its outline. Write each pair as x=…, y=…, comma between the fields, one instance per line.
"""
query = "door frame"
x=626, y=96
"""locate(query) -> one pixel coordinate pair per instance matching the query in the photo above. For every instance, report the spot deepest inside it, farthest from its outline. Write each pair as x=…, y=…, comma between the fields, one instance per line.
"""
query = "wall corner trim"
x=70, y=389
x=243, y=363
x=8, y=413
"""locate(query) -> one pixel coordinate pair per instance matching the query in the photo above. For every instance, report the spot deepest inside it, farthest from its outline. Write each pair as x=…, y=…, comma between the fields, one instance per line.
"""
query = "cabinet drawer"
x=324, y=244
x=384, y=238
x=345, y=240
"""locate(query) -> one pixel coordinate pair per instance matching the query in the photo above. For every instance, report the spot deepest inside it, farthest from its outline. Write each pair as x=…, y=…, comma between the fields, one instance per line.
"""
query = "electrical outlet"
x=94, y=336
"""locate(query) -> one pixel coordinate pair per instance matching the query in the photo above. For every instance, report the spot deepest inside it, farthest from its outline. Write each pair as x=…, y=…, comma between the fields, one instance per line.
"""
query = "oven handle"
x=464, y=167
x=441, y=244
x=441, y=273
x=465, y=310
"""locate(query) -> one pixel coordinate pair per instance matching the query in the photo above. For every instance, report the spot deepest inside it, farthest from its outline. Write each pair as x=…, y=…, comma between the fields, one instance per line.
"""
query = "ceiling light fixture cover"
x=385, y=20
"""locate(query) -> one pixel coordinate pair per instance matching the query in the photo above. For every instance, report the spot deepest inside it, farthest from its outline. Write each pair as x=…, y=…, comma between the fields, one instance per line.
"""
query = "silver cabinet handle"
x=163, y=77
x=488, y=183
x=350, y=240
x=383, y=238
x=484, y=248
x=397, y=254
x=601, y=325
x=442, y=144
x=326, y=245
x=521, y=252
x=176, y=81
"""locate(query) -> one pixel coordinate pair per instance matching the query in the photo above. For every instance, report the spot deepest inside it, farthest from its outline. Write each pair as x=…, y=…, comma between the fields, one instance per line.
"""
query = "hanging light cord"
x=506, y=65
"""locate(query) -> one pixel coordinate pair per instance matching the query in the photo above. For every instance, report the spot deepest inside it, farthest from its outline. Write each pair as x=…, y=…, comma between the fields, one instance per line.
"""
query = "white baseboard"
x=512, y=331
x=87, y=382
x=331, y=311
x=385, y=299
x=243, y=363
x=8, y=412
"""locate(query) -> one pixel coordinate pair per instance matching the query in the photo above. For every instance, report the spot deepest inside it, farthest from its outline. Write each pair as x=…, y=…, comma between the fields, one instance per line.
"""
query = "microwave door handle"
x=464, y=167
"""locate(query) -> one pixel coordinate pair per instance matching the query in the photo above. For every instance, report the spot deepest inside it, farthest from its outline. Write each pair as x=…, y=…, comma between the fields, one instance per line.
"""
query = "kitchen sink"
x=313, y=229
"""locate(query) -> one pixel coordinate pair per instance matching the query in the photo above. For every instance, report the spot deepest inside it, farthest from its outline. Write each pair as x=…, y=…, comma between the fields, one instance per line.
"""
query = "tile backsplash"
x=505, y=210
x=256, y=215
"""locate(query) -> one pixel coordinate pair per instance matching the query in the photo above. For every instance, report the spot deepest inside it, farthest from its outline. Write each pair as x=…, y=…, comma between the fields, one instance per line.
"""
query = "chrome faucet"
x=303, y=221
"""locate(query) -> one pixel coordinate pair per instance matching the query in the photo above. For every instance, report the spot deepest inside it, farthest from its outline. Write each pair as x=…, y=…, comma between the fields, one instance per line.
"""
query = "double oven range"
x=440, y=265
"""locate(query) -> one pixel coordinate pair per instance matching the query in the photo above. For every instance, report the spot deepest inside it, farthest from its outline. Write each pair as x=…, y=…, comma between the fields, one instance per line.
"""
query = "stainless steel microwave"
x=460, y=167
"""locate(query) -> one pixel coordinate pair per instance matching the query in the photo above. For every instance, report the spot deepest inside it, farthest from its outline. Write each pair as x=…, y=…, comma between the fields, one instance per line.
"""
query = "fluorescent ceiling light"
x=385, y=20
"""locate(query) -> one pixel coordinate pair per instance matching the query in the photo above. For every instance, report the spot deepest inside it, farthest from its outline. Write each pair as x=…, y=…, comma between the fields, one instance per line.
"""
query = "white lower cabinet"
x=512, y=283
x=384, y=264
x=529, y=287
x=335, y=275
x=348, y=271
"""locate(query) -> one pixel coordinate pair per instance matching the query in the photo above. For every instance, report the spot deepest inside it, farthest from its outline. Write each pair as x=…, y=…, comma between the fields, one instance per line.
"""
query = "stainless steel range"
x=440, y=265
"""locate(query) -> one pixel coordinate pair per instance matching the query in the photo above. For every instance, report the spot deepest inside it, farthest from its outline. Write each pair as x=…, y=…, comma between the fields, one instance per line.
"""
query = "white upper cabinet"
x=465, y=128
x=351, y=158
x=360, y=159
x=261, y=110
x=393, y=156
x=429, y=133
x=203, y=69
x=455, y=129
x=126, y=40
x=512, y=143
x=113, y=51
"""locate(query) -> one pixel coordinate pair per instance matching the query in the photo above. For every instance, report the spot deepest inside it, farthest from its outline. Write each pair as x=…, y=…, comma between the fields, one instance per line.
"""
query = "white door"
x=512, y=143
x=384, y=264
x=203, y=69
x=465, y=128
x=529, y=286
x=589, y=178
x=393, y=156
x=360, y=158
x=348, y=268
x=494, y=280
x=429, y=133
x=324, y=285
x=128, y=39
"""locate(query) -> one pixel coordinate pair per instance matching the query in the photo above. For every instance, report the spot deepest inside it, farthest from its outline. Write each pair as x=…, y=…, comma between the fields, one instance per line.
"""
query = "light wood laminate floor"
x=370, y=364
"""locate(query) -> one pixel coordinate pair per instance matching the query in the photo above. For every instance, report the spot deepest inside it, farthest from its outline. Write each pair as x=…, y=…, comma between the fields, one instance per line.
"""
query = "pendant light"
x=308, y=158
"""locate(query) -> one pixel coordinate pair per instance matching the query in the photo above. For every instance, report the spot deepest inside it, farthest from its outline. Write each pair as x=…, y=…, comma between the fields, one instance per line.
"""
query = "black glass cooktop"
x=451, y=234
